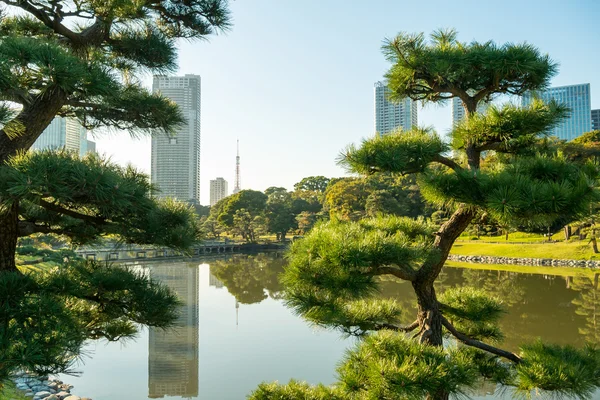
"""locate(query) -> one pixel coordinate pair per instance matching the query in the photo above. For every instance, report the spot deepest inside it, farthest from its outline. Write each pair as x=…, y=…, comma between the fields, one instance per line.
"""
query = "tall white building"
x=578, y=99
x=390, y=116
x=218, y=190
x=175, y=163
x=64, y=133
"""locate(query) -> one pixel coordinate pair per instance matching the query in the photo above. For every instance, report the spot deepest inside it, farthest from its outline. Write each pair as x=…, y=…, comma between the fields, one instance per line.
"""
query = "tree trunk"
x=506, y=235
x=429, y=315
x=9, y=233
x=567, y=232
x=430, y=323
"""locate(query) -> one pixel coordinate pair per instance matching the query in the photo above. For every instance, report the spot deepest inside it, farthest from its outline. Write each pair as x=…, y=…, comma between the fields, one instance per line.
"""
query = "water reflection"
x=588, y=306
x=250, y=278
x=173, y=353
x=271, y=343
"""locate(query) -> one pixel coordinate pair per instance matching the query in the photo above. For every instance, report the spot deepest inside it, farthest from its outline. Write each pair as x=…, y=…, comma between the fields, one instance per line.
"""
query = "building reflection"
x=173, y=353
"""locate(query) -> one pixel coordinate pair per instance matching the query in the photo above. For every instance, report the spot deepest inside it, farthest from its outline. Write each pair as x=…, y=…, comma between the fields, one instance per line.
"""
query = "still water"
x=234, y=332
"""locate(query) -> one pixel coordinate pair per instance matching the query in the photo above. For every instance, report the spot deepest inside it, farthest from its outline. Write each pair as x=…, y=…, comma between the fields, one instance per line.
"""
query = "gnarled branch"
x=407, y=328
x=447, y=162
x=480, y=345
x=402, y=273
x=74, y=214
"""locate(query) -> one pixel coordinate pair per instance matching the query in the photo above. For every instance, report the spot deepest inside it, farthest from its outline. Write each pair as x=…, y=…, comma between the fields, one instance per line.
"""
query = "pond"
x=234, y=331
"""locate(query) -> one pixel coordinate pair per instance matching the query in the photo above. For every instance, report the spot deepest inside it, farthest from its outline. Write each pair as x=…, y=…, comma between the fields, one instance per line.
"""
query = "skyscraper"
x=596, y=120
x=218, y=190
x=173, y=353
x=390, y=116
x=62, y=133
x=237, y=184
x=175, y=163
x=577, y=98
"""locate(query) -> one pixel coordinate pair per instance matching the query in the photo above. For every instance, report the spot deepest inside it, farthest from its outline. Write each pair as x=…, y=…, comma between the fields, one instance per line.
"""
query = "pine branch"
x=27, y=228
x=447, y=162
x=402, y=272
x=480, y=345
x=74, y=214
x=406, y=328
x=53, y=24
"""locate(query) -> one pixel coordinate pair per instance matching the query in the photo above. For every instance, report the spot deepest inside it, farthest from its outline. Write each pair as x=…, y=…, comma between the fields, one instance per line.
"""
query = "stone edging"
x=44, y=388
x=544, y=262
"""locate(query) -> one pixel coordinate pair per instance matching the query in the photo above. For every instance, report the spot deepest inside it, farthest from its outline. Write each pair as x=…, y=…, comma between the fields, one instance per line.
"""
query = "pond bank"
x=527, y=261
x=43, y=388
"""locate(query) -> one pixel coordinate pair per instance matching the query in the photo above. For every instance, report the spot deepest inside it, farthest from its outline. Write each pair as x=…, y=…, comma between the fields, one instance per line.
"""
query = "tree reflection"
x=505, y=285
x=587, y=303
x=250, y=278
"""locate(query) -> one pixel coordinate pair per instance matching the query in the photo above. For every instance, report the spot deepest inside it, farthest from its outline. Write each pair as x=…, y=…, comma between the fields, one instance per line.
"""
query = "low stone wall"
x=543, y=262
x=43, y=388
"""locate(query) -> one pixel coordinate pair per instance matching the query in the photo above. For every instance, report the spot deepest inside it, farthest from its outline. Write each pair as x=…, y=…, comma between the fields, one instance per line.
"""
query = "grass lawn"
x=561, y=250
x=516, y=237
x=9, y=392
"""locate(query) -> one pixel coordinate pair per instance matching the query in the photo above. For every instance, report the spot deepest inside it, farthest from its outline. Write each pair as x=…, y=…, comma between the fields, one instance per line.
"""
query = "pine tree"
x=332, y=278
x=84, y=60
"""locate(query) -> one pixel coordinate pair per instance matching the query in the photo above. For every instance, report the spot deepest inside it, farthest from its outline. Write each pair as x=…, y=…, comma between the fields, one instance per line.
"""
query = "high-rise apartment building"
x=218, y=190
x=458, y=111
x=175, y=162
x=389, y=115
x=64, y=133
x=173, y=353
x=578, y=99
x=596, y=120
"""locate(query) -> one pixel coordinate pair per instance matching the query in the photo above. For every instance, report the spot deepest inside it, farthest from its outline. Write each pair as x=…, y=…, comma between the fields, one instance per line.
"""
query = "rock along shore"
x=44, y=388
x=542, y=262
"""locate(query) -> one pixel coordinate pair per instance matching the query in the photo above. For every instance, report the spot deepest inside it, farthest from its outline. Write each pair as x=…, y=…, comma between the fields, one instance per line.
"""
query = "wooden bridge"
x=127, y=253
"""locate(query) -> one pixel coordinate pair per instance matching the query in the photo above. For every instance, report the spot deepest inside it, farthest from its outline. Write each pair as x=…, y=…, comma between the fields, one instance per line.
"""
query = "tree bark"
x=9, y=233
x=429, y=316
x=30, y=123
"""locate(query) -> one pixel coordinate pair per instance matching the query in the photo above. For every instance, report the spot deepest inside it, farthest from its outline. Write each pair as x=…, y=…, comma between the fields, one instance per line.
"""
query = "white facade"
x=175, y=163
x=390, y=116
x=62, y=133
x=578, y=99
x=218, y=190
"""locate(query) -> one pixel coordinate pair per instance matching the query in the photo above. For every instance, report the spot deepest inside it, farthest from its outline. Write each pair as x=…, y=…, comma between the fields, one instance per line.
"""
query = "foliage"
x=251, y=201
x=306, y=220
x=313, y=184
x=85, y=199
x=443, y=67
x=280, y=213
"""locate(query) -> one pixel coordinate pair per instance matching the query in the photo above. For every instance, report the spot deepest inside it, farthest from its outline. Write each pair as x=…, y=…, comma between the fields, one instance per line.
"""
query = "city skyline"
x=311, y=93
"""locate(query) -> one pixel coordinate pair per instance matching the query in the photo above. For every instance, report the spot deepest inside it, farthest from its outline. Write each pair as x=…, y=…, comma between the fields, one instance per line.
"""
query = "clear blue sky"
x=293, y=80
